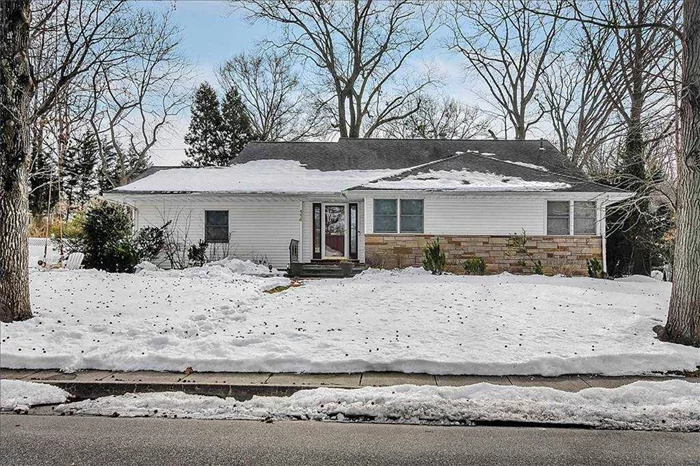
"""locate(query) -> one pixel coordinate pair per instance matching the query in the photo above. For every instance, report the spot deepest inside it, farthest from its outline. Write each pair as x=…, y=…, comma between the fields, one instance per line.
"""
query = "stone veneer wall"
x=559, y=254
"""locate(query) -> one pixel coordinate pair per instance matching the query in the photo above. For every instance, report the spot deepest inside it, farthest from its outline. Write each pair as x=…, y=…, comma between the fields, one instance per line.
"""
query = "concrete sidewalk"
x=243, y=385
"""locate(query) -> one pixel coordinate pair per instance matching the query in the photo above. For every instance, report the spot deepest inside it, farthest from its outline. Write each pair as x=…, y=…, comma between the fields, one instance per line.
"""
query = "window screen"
x=385, y=216
x=557, y=217
x=411, y=216
x=216, y=226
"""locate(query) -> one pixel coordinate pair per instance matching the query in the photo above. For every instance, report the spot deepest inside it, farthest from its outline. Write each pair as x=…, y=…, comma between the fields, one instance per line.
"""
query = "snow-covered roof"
x=460, y=171
x=257, y=177
x=464, y=180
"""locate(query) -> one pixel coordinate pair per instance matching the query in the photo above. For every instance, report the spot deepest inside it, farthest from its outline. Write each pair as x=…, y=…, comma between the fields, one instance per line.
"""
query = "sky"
x=213, y=31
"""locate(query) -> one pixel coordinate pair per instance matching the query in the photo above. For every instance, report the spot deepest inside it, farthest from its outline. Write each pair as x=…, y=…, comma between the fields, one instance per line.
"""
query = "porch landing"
x=322, y=269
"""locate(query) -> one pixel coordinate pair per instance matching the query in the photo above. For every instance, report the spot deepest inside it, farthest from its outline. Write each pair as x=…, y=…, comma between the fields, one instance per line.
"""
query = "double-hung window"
x=411, y=216
x=584, y=218
x=571, y=218
x=385, y=215
x=398, y=216
x=216, y=226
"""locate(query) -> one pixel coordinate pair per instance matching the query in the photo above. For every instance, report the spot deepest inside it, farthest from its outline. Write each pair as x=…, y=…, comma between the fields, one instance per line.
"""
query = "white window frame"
x=398, y=215
x=598, y=217
x=204, y=223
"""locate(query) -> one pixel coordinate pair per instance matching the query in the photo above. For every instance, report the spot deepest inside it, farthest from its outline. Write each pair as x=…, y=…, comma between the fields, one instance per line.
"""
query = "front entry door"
x=335, y=231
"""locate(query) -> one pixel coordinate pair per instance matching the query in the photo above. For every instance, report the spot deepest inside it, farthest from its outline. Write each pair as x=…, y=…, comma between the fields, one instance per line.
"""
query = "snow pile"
x=464, y=180
x=213, y=319
x=262, y=176
x=672, y=405
x=527, y=165
x=18, y=394
x=228, y=268
x=147, y=266
x=246, y=267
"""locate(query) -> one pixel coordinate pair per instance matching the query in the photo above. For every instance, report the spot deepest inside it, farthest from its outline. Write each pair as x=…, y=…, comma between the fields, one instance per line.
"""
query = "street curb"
x=92, y=390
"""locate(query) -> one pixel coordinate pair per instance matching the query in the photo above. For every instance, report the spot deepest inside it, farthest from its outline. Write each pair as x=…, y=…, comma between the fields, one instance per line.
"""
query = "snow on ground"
x=16, y=394
x=36, y=251
x=672, y=405
x=213, y=319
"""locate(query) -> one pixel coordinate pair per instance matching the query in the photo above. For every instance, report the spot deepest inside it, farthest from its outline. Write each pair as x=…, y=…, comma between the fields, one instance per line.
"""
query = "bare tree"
x=280, y=109
x=683, y=323
x=52, y=48
x=439, y=117
x=581, y=111
x=16, y=89
x=133, y=99
x=510, y=48
x=359, y=50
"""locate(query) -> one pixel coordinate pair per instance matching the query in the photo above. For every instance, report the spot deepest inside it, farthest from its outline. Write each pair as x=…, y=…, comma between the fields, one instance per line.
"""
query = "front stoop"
x=325, y=269
x=245, y=385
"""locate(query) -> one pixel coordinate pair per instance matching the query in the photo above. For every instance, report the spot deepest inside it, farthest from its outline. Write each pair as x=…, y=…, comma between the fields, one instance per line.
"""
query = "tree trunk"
x=17, y=88
x=683, y=325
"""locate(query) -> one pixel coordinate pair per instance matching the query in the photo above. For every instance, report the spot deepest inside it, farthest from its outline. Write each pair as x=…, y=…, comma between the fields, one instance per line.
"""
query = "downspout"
x=604, y=234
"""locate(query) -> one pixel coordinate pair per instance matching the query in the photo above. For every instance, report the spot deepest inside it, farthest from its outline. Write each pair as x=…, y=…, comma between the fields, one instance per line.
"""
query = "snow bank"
x=672, y=405
x=16, y=394
x=214, y=319
x=245, y=267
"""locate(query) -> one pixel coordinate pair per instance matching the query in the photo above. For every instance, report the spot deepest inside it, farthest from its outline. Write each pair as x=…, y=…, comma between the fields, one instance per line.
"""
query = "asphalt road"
x=55, y=440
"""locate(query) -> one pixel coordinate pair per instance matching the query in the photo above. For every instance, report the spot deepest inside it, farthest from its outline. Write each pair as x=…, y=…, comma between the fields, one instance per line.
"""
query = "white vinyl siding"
x=498, y=215
x=259, y=228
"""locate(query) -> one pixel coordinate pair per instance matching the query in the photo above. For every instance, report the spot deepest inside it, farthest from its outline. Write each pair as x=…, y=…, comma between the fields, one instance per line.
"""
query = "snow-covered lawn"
x=216, y=319
x=672, y=405
x=17, y=394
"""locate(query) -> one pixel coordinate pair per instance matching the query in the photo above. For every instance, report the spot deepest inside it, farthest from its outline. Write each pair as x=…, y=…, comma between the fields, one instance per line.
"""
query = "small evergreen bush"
x=475, y=266
x=595, y=268
x=434, y=258
x=197, y=254
x=518, y=243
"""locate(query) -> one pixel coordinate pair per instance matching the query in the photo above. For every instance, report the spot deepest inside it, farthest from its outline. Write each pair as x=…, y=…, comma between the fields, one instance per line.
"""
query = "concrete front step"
x=243, y=386
x=326, y=270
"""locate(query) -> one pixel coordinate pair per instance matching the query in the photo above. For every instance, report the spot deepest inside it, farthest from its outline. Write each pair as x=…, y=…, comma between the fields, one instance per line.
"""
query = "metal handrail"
x=293, y=251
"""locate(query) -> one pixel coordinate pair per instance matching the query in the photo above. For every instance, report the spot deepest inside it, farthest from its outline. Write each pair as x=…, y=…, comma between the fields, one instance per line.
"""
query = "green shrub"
x=518, y=243
x=107, y=240
x=149, y=242
x=197, y=253
x=434, y=258
x=595, y=268
x=475, y=266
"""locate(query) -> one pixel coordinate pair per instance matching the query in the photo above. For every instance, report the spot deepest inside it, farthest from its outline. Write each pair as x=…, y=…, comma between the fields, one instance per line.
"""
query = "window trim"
x=396, y=220
x=598, y=216
x=228, y=226
x=398, y=230
x=422, y=217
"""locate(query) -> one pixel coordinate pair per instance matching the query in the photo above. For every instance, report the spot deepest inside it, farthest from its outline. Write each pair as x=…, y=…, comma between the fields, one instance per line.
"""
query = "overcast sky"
x=213, y=32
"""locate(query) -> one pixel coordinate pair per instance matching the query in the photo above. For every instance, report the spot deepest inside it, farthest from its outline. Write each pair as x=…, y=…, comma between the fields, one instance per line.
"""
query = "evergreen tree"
x=119, y=167
x=79, y=179
x=42, y=177
x=636, y=229
x=203, y=138
x=236, y=129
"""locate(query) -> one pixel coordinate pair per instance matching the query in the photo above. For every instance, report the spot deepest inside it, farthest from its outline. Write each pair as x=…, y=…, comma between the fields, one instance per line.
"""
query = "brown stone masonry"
x=559, y=254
